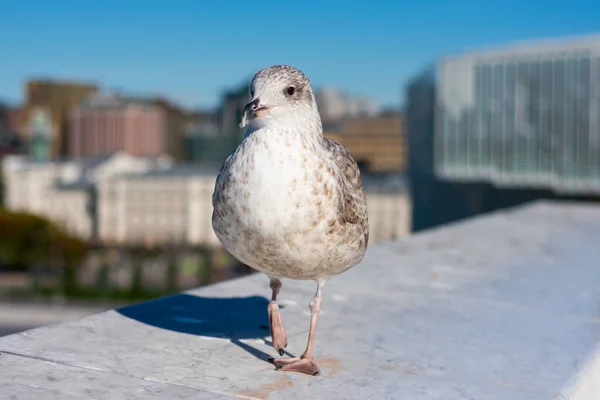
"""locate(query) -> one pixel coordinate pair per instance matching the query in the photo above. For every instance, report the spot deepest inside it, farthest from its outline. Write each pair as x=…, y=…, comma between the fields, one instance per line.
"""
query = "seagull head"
x=280, y=95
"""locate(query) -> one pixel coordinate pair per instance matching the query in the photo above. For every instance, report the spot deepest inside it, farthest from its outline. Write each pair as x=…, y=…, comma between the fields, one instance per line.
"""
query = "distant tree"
x=27, y=240
x=72, y=253
x=104, y=274
x=137, y=261
x=172, y=270
x=24, y=238
x=206, y=265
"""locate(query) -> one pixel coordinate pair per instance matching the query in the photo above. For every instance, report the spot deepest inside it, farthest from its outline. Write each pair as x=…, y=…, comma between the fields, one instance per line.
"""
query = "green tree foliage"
x=137, y=286
x=172, y=271
x=26, y=239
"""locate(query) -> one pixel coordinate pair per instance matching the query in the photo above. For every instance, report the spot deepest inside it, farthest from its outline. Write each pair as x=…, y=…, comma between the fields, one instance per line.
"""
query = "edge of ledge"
x=585, y=383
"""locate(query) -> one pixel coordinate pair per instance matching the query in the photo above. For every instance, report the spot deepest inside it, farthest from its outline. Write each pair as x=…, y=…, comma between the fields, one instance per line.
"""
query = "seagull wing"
x=352, y=206
x=220, y=182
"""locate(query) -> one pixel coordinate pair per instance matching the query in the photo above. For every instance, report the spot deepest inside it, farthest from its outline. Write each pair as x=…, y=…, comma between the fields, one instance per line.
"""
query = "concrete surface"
x=16, y=317
x=9, y=329
x=500, y=307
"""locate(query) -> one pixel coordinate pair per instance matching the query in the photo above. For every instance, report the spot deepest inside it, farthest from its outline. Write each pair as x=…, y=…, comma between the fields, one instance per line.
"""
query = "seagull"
x=289, y=202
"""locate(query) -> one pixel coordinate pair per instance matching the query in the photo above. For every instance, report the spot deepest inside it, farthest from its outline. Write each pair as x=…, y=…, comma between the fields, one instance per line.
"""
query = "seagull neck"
x=310, y=130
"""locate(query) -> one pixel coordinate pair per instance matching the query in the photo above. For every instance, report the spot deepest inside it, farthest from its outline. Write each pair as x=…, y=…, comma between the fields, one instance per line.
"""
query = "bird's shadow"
x=233, y=318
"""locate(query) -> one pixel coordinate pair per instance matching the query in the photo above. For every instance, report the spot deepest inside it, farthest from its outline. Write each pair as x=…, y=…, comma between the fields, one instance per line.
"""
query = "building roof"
x=61, y=82
x=532, y=47
x=104, y=100
x=93, y=162
x=80, y=185
x=177, y=171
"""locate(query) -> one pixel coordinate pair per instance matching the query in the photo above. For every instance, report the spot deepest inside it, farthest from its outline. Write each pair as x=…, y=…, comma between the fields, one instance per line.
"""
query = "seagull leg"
x=278, y=335
x=305, y=364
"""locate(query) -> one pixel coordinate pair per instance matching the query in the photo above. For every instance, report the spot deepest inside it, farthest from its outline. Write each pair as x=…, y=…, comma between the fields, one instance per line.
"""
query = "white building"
x=174, y=205
x=62, y=190
x=389, y=206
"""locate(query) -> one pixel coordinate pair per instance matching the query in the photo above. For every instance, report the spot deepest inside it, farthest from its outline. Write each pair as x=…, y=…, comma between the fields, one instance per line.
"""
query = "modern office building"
x=498, y=127
x=525, y=116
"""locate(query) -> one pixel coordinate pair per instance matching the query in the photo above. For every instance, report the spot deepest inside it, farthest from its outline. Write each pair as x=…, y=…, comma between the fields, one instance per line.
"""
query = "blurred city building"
x=211, y=137
x=202, y=123
x=102, y=124
x=229, y=114
x=10, y=139
x=205, y=142
x=500, y=127
x=158, y=206
x=389, y=205
x=45, y=116
x=376, y=142
x=12, y=118
x=175, y=127
x=335, y=105
x=64, y=191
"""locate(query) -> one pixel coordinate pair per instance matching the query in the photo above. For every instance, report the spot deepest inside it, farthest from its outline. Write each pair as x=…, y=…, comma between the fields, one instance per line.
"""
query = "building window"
x=582, y=115
x=509, y=147
x=558, y=109
x=497, y=115
x=546, y=102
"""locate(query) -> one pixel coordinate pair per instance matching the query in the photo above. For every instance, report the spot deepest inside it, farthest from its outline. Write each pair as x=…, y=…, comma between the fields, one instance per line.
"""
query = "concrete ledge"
x=585, y=384
x=499, y=307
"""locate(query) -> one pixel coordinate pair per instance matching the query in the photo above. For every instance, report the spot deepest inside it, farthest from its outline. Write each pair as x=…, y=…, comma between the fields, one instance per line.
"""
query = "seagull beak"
x=253, y=110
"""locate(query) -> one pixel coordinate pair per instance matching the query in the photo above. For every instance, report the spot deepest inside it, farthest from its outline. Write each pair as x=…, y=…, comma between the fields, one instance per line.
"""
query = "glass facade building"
x=526, y=116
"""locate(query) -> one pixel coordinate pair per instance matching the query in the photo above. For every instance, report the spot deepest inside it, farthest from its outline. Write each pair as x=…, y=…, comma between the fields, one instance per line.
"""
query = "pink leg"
x=305, y=364
x=278, y=335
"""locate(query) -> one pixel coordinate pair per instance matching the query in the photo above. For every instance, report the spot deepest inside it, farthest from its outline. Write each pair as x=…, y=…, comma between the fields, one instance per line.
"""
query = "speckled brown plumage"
x=323, y=229
x=289, y=202
x=330, y=219
x=352, y=206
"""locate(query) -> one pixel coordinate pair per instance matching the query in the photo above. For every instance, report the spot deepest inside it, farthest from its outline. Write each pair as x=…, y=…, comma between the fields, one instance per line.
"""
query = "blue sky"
x=191, y=50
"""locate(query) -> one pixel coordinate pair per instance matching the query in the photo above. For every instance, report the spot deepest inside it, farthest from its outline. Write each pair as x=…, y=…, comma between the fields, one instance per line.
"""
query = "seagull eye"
x=291, y=90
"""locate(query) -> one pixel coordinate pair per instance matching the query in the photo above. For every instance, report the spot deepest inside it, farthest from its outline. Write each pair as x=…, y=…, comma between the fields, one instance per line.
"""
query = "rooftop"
x=181, y=170
x=95, y=161
x=51, y=81
x=582, y=44
x=503, y=306
x=79, y=185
